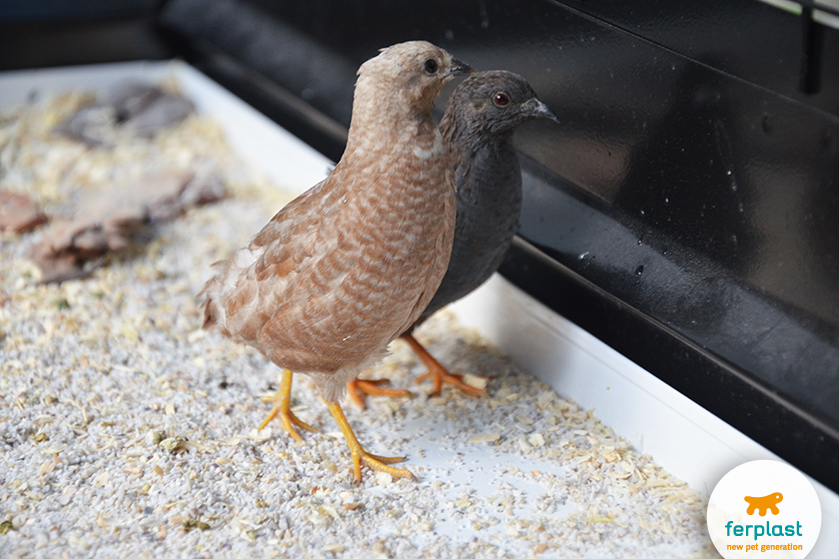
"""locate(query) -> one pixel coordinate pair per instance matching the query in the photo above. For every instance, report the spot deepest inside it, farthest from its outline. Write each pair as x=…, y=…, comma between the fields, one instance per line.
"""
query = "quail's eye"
x=430, y=66
x=501, y=99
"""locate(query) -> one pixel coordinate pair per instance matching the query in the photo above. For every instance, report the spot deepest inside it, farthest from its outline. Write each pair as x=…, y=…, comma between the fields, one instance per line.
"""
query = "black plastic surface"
x=73, y=32
x=750, y=40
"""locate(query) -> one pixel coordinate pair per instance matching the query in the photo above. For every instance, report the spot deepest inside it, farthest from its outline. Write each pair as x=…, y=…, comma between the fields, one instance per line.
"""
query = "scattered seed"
x=191, y=524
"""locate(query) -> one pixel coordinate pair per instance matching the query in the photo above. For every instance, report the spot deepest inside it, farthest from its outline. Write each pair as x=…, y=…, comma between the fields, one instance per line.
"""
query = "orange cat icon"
x=762, y=504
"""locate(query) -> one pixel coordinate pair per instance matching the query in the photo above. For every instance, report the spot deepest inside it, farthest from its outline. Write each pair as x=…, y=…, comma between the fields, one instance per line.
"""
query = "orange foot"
x=282, y=408
x=356, y=389
x=439, y=373
x=359, y=455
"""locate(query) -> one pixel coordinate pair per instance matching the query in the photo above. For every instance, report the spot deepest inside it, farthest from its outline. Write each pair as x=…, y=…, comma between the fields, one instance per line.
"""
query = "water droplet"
x=666, y=200
x=728, y=173
x=583, y=255
x=639, y=270
x=643, y=212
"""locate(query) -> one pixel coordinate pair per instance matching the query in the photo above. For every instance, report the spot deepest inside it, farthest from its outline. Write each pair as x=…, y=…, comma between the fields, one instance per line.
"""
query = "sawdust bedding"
x=126, y=431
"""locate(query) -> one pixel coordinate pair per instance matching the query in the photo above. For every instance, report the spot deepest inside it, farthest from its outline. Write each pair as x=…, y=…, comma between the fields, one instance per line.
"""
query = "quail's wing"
x=290, y=283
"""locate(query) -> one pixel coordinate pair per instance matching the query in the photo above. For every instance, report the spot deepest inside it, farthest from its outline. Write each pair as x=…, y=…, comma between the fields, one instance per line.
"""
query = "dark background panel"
x=47, y=33
x=752, y=40
x=66, y=11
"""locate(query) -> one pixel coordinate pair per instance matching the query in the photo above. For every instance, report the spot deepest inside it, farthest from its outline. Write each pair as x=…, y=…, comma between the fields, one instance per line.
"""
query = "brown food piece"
x=18, y=213
x=147, y=109
x=106, y=221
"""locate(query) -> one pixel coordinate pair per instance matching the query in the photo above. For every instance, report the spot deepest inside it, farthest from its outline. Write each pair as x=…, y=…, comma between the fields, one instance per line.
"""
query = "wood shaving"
x=487, y=438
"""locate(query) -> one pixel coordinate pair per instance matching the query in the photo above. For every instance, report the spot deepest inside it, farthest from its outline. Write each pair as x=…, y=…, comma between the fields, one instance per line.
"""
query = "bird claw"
x=370, y=387
x=282, y=408
x=438, y=372
x=288, y=420
x=441, y=376
x=359, y=455
x=378, y=463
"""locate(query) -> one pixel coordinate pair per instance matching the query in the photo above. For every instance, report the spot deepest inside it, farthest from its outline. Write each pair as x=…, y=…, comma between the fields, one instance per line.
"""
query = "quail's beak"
x=534, y=108
x=459, y=67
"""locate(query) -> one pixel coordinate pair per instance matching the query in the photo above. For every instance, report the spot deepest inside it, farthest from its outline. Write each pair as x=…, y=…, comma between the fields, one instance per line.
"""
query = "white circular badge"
x=764, y=509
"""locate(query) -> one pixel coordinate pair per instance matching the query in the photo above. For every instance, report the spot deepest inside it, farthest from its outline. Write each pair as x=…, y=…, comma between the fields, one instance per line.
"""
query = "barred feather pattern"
x=350, y=264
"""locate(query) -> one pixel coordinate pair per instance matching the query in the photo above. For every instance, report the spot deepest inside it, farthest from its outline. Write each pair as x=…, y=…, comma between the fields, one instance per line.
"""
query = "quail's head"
x=415, y=70
x=496, y=102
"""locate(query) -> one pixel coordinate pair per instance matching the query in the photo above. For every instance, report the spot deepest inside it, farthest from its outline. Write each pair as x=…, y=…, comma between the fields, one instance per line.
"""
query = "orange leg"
x=357, y=387
x=439, y=373
x=282, y=407
x=359, y=455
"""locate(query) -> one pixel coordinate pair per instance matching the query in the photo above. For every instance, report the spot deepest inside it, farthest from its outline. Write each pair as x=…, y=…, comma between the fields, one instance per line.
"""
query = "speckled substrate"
x=126, y=431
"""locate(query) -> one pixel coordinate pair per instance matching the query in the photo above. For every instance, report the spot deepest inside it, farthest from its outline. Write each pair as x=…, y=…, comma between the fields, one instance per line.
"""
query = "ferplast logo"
x=766, y=509
x=763, y=504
